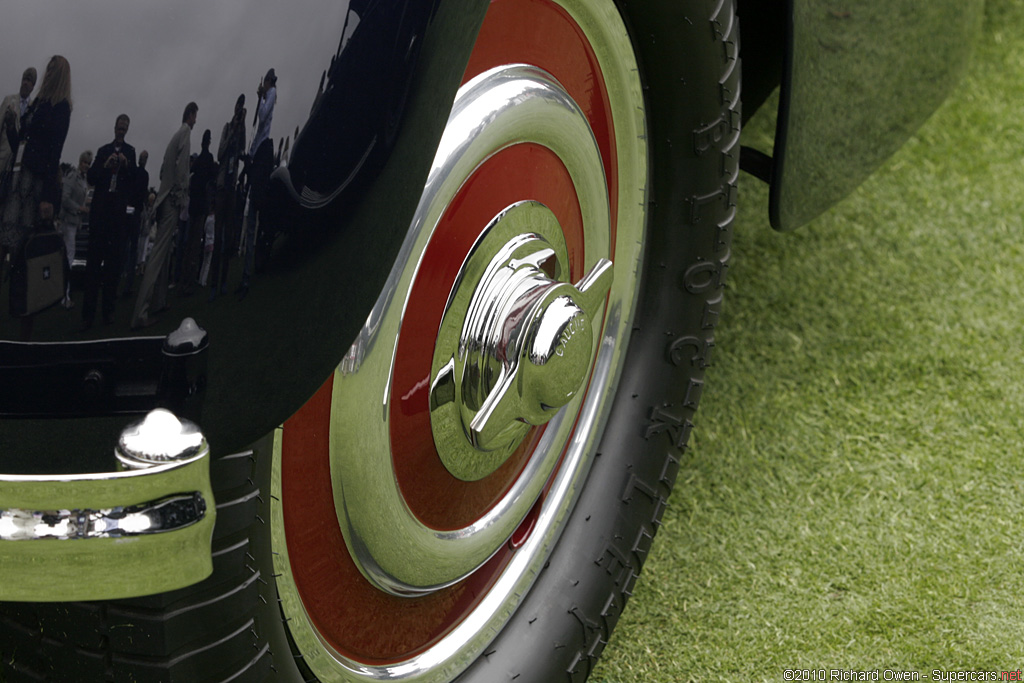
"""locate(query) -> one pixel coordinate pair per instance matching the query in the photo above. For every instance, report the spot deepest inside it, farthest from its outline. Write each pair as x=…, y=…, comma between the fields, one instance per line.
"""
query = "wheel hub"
x=515, y=343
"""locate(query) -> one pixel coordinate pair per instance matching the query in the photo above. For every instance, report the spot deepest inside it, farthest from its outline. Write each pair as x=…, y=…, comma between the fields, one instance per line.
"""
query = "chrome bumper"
x=143, y=529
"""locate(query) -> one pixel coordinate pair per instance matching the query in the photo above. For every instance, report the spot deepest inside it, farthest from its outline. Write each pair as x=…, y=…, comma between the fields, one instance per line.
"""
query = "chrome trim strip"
x=103, y=536
x=156, y=517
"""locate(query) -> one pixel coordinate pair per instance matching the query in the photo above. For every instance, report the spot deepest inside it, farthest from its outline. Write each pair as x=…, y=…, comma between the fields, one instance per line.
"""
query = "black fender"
x=337, y=214
x=856, y=82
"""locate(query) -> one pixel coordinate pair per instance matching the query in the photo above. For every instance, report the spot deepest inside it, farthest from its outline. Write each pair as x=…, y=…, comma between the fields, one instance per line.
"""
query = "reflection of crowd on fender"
x=181, y=236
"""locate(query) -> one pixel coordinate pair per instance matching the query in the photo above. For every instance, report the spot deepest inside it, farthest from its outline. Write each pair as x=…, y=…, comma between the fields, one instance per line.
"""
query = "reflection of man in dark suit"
x=230, y=151
x=258, y=169
x=137, y=206
x=112, y=176
x=170, y=200
x=12, y=109
x=200, y=197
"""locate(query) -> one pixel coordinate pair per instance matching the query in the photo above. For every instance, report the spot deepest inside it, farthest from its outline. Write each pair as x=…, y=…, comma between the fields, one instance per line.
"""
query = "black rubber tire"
x=229, y=627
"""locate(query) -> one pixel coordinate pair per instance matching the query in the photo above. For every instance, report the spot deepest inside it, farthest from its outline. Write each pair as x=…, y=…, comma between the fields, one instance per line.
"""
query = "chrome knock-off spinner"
x=515, y=343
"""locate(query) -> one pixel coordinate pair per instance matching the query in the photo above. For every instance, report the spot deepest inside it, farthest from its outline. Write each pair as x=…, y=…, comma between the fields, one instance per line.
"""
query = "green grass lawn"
x=854, y=494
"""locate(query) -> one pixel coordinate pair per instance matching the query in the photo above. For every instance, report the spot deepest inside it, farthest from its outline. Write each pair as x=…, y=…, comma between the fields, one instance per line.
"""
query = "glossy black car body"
x=336, y=209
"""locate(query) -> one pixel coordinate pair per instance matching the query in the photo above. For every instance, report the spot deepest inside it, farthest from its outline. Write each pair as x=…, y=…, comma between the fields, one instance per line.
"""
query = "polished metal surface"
x=392, y=547
x=187, y=338
x=159, y=516
x=515, y=342
x=160, y=437
x=858, y=83
x=415, y=556
x=553, y=360
x=140, y=529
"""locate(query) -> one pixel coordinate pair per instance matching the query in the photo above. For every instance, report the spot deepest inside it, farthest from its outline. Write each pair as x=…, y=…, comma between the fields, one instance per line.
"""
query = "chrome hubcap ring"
x=393, y=548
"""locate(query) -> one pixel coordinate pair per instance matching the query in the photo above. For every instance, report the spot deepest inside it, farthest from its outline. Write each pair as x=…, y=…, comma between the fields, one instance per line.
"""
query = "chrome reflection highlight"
x=168, y=514
x=160, y=437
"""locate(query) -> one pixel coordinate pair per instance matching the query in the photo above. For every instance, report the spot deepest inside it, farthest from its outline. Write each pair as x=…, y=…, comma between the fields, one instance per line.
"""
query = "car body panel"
x=339, y=208
x=858, y=79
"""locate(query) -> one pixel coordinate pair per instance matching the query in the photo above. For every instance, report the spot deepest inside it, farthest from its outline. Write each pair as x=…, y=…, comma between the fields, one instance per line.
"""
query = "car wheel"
x=474, y=491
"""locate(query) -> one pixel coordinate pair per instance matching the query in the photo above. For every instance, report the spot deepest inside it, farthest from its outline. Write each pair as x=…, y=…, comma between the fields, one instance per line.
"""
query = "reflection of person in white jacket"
x=207, y=247
x=73, y=206
x=17, y=105
x=147, y=231
x=171, y=200
x=266, y=98
x=73, y=202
